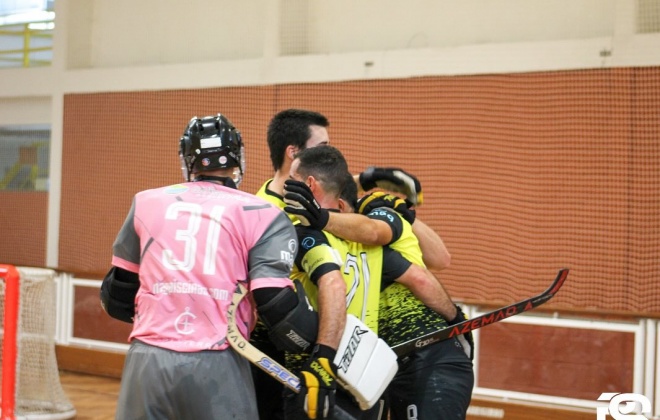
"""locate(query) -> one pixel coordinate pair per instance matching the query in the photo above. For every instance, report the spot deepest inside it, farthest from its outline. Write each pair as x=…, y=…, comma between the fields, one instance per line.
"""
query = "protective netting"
x=39, y=393
x=523, y=173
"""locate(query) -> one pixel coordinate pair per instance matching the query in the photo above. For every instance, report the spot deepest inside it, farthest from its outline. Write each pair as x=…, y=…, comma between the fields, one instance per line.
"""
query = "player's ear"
x=312, y=183
x=344, y=207
x=291, y=151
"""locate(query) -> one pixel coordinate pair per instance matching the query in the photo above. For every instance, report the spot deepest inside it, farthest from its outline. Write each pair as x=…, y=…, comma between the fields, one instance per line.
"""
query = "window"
x=24, y=158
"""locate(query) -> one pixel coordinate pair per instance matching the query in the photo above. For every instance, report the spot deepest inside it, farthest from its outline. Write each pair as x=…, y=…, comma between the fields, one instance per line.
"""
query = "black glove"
x=118, y=292
x=318, y=384
x=301, y=203
x=380, y=199
x=466, y=340
x=392, y=179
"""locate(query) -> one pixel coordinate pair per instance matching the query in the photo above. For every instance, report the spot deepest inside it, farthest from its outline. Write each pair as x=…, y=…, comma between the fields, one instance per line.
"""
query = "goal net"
x=30, y=376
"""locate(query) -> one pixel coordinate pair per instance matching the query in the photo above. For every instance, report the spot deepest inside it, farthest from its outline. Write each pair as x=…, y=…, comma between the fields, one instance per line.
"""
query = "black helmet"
x=211, y=143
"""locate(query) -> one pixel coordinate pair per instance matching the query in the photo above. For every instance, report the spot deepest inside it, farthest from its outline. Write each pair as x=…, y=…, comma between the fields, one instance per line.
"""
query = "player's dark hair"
x=327, y=165
x=350, y=192
x=291, y=128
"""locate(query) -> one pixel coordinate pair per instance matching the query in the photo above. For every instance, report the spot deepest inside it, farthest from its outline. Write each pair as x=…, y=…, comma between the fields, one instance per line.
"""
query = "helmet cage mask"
x=211, y=143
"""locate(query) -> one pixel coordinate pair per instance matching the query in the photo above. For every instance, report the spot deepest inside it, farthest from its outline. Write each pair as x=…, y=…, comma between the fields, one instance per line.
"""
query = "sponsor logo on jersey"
x=176, y=189
x=308, y=242
x=293, y=245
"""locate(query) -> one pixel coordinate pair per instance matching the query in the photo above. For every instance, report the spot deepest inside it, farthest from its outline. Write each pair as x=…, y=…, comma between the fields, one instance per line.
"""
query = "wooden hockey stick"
x=267, y=364
x=250, y=352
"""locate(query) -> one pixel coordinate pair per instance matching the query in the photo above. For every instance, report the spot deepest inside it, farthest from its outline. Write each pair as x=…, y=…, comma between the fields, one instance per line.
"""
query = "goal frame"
x=9, y=274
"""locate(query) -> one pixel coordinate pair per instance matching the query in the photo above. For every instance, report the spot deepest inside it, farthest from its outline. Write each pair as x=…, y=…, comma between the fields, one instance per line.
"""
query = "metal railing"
x=26, y=44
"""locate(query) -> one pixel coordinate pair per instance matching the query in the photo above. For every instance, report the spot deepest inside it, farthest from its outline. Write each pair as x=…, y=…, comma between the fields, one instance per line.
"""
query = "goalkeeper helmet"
x=211, y=143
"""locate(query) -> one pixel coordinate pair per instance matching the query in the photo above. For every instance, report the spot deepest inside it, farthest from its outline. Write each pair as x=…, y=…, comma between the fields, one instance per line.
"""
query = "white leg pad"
x=365, y=363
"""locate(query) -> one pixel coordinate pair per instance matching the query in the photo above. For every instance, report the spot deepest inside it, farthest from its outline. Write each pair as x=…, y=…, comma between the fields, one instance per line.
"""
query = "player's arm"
x=322, y=265
x=424, y=285
x=318, y=374
x=428, y=289
x=349, y=226
x=121, y=284
x=359, y=228
x=292, y=323
x=434, y=252
x=118, y=292
x=420, y=281
x=332, y=308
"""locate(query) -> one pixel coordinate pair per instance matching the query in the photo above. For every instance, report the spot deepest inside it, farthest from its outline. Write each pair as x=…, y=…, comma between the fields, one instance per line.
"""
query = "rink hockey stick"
x=260, y=359
x=265, y=363
x=290, y=380
x=250, y=352
x=483, y=320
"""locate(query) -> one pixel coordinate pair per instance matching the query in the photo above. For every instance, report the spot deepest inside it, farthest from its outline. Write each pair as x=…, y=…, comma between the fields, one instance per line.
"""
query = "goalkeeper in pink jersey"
x=176, y=262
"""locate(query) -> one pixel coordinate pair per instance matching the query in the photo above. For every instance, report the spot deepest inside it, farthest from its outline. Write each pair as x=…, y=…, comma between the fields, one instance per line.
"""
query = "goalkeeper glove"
x=466, y=340
x=392, y=179
x=318, y=384
x=301, y=203
x=380, y=199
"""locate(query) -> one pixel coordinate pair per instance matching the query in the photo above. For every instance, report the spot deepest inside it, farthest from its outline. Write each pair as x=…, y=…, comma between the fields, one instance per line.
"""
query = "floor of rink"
x=95, y=398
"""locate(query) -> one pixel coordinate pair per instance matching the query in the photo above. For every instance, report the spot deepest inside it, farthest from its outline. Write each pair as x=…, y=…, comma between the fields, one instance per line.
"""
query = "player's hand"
x=380, y=199
x=301, y=203
x=392, y=179
x=318, y=383
x=466, y=340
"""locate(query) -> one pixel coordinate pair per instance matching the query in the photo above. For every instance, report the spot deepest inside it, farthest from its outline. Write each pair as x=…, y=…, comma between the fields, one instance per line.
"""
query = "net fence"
x=523, y=173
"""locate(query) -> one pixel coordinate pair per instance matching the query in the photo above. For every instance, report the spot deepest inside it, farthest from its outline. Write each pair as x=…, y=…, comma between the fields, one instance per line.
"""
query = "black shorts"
x=433, y=383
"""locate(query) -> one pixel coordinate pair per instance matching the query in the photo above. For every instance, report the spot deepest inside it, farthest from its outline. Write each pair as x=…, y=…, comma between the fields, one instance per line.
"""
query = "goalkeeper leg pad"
x=365, y=363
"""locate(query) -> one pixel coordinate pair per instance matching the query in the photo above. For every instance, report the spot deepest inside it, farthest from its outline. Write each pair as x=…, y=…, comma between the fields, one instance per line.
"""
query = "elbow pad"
x=118, y=296
x=295, y=330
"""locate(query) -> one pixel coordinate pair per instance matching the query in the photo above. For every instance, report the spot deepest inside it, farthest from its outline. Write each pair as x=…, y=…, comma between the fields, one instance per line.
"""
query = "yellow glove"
x=318, y=383
x=380, y=199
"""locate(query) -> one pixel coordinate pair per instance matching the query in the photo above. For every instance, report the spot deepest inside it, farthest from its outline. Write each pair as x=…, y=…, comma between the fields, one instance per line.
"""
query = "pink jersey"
x=190, y=244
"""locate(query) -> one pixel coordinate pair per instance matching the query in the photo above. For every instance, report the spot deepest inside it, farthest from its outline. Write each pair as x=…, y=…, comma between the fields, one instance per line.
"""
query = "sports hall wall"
x=533, y=127
x=523, y=174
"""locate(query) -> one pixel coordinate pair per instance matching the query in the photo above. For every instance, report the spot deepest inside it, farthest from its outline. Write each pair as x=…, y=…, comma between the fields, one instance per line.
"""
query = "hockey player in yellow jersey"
x=435, y=382
x=289, y=132
x=323, y=170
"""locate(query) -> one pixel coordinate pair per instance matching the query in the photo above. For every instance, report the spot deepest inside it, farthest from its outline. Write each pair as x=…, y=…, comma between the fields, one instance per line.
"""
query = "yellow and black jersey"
x=270, y=196
x=397, y=303
x=274, y=198
x=361, y=266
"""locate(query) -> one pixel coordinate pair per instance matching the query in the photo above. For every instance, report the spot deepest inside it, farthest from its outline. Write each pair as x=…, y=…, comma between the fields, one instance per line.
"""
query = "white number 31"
x=188, y=237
